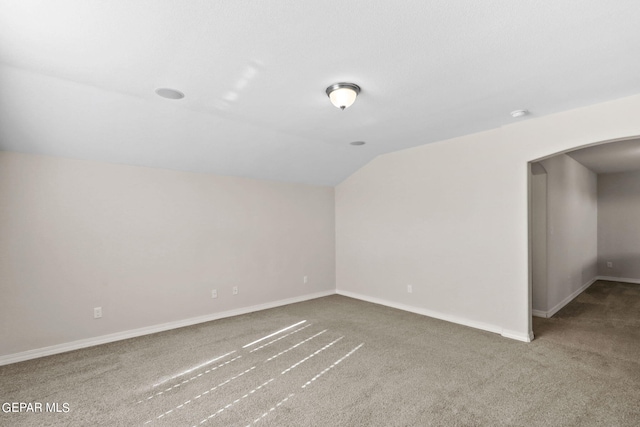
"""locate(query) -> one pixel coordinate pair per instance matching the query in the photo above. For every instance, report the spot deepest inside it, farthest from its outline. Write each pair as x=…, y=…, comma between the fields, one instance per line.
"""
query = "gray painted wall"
x=451, y=218
x=572, y=228
x=539, y=240
x=148, y=246
x=619, y=225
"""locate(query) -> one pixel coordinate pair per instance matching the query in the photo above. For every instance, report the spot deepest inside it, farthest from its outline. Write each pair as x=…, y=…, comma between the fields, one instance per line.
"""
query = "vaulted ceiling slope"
x=77, y=77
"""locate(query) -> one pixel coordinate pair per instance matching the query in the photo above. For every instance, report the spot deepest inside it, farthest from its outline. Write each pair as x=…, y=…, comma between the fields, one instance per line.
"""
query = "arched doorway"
x=583, y=205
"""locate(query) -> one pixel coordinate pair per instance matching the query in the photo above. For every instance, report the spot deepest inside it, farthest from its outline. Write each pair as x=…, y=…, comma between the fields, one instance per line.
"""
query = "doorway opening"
x=583, y=212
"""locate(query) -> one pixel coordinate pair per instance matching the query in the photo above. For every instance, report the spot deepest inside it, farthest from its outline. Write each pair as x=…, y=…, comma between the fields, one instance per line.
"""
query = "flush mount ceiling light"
x=519, y=113
x=168, y=93
x=342, y=95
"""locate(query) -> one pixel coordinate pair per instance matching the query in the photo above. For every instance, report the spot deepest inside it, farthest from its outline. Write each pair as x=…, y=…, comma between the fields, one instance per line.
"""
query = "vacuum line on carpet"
x=234, y=402
x=273, y=334
x=194, y=368
x=204, y=394
x=278, y=339
x=310, y=356
x=189, y=379
x=271, y=409
x=332, y=366
x=296, y=345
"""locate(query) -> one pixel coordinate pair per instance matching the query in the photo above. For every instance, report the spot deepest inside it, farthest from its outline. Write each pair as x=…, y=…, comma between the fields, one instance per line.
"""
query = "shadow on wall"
x=618, y=231
x=564, y=227
x=538, y=238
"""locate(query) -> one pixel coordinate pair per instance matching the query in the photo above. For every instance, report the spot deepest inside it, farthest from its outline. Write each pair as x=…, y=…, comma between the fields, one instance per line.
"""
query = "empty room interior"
x=319, y=213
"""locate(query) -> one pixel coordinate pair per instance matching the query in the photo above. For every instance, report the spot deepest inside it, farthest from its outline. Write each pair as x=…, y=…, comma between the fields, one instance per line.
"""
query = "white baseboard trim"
x=539, y=313
x=437, y=315
x=103, y=339
x=618, y=279
x=515, y=335
x=567, y=300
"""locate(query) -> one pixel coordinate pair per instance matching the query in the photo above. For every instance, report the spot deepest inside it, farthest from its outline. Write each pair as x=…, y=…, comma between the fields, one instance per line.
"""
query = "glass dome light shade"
x=343, y=95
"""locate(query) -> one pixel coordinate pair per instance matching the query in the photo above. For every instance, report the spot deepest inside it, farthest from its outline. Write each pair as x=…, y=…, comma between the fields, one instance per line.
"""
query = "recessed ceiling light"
x=168, y=93
x=357, y=143
x=519, y=113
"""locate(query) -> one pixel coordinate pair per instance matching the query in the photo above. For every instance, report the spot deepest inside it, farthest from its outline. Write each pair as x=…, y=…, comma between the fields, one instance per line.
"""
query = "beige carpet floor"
x=344, y=362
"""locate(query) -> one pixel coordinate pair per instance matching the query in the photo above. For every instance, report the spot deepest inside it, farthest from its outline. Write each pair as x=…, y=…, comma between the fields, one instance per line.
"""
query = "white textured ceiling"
x=77, y=77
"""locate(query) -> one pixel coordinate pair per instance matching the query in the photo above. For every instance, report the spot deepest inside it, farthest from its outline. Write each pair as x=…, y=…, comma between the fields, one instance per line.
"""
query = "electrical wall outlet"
x=410, y=289
x=305, y=279
x=214, y=293
x=97, y=312
x=235, y=290
x=609, y=264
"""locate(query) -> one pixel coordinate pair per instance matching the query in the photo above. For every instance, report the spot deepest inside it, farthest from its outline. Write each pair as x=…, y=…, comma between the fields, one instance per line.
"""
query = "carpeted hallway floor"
x=343, y=362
